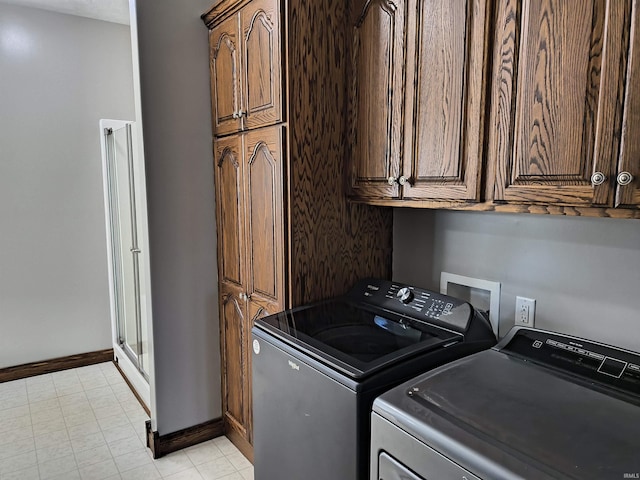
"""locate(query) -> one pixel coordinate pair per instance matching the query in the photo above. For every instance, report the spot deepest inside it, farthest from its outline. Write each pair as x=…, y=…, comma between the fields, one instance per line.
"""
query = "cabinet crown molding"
x=221, y=11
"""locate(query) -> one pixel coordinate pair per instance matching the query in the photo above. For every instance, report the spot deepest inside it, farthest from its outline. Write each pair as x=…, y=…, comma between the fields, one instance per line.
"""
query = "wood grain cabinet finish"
x=506, y=105
x=238, y=314
x=419, y=76
x=245, y=64
x=287, y=235
x=230, y=210
x=262, y=67
x=628, y=194
x=557, y=101
x=224, y=42
x=234, y=332
x=263, y=189
x=377, y=96
x=444, y=147
x=234, y=336
x=251, y=243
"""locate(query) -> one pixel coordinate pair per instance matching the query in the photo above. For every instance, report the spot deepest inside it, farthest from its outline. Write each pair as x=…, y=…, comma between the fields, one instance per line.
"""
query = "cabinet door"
x=229, y=185
x=377, y=97
x=261, y=44
x=629, y=195
x=444, y=146
x=234, y=340
x=555, y=100
x=265, y=214
x=225, y=76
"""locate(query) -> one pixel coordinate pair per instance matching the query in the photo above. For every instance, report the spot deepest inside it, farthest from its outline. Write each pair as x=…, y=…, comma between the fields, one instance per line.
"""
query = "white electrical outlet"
x=525, y=311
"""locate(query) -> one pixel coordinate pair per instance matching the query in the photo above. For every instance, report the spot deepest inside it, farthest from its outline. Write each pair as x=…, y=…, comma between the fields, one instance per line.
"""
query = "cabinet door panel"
x=230, y=209
x=225, y=76
x=377, y=96
x=558, y=71
x=262, y=94
x=444, y=159
x=265, y=213
x=234, y=357
x=629, y=195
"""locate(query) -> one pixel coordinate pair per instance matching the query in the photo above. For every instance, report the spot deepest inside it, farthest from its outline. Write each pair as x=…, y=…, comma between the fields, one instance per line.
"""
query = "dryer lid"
x=495, y=413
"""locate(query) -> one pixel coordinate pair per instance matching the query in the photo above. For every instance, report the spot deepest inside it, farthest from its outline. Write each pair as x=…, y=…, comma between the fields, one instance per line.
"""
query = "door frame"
x=143, y=387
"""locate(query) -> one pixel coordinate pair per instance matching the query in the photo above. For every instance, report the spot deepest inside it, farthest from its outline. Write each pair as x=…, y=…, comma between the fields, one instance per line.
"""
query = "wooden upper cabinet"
x=265, y=215
x=262, y=68
x=225, y=76
x=246, y=68
x=628, y=194
x=445, y=100
x=229, y=186
x=377, y=96
x=556, y=100
x=417, y=98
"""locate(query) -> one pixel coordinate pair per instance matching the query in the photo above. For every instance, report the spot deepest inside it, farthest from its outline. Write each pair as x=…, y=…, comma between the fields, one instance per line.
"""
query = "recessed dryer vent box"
x=482, y=294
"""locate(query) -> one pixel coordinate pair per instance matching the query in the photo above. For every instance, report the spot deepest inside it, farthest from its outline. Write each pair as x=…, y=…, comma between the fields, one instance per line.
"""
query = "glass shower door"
x=130, y=333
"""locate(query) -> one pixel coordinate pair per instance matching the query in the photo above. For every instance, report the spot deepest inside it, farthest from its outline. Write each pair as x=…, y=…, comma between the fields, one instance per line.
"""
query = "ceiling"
x=116, y=11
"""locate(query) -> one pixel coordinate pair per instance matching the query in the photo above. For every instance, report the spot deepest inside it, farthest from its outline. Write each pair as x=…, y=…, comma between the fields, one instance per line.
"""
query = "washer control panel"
x=415, y=302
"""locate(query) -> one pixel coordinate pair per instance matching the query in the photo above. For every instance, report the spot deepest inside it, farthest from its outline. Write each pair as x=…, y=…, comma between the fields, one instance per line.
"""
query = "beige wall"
x=583, y=272
x=59, y=74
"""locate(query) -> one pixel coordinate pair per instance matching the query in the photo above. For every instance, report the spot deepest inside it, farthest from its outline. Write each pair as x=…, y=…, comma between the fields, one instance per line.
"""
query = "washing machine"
x=318, y=368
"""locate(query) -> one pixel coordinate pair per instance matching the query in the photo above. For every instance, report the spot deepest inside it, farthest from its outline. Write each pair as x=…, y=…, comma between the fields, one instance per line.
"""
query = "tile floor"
x=86, y=424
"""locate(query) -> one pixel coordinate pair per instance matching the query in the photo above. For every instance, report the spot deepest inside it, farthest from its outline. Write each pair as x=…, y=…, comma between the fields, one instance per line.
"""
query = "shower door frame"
x=140, y=382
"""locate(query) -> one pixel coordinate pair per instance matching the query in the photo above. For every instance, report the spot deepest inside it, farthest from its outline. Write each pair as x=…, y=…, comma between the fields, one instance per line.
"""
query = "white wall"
x=583, y=272
x=59, y=74
x=176, y=123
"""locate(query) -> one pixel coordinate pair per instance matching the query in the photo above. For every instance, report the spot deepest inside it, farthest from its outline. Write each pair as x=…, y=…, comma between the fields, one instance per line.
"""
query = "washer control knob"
x=405, y=295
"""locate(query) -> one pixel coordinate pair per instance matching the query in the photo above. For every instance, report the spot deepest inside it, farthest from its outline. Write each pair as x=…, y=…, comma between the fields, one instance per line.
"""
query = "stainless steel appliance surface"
x=539, y=405
x=317, y=369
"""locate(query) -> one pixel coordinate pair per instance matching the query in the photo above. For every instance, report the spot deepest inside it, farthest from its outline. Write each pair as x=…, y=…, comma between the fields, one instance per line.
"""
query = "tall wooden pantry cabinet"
x=286, y=234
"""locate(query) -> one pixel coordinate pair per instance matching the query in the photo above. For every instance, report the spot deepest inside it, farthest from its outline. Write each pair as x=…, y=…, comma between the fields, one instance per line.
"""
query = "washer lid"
x=354, y=338
x=503, y=417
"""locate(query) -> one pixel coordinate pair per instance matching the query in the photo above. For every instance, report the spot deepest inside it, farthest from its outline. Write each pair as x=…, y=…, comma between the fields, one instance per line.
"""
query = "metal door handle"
x=624, y=178
x=134, y=250
x=392, y=180
x=598, y=178
x=404, y=180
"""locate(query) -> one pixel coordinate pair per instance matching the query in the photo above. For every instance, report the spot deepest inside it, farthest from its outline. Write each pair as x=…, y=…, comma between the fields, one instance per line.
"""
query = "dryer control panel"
x=592, y=361
x=415, y=302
